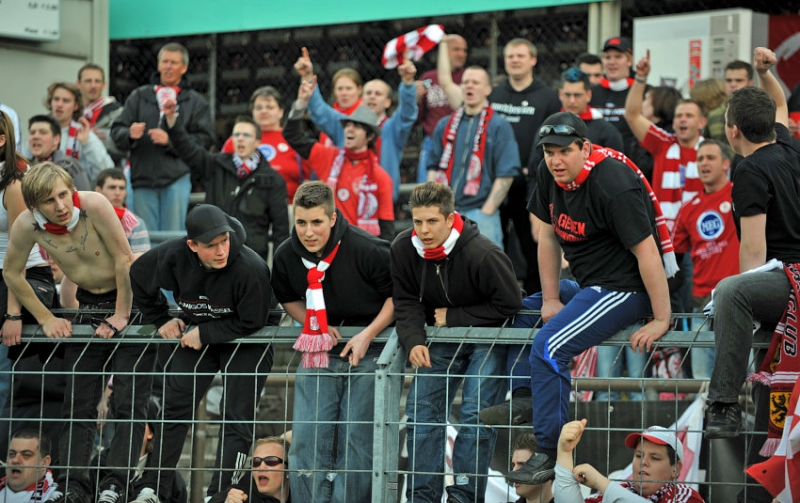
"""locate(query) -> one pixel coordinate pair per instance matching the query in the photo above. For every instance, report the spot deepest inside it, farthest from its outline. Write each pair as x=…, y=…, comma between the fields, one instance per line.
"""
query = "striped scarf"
x=246, y=166
x=443, y=250
x=476, y=159
x=93, y=110
x=73, y=148
x=598, y=155
x=315, y=341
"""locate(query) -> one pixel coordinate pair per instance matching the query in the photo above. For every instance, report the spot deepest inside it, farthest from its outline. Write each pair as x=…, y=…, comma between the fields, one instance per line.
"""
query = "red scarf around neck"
x=246, y=166
x=315, y=341
x=598, y=155
x=442, y=251
x=474, y=168
x=607, y=83
x=93, y=110
x=126, y=218
x=589, y=114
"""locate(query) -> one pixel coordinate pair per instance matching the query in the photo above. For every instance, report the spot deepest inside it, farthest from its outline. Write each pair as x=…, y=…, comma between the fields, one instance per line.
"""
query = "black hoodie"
x=226, y=303
x=476, y=283
x=356, y=284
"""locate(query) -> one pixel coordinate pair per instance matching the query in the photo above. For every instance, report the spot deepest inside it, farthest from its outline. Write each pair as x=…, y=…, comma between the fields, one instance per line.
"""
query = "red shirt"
x=434, y=104
x=281, y=157
x=675, y=178
x=376, y=200
x=705, y=225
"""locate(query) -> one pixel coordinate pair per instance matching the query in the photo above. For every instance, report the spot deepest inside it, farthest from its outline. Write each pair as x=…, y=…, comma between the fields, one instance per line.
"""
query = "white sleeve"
x=96, y=156
x=565, y=488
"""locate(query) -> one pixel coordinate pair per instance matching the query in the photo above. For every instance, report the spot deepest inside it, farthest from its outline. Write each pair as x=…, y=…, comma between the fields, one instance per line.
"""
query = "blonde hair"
x=38, y=183
x=709, y=94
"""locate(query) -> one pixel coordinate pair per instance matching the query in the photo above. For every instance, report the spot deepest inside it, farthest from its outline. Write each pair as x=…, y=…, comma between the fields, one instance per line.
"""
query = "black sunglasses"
x=558, y=129
x=269, y=461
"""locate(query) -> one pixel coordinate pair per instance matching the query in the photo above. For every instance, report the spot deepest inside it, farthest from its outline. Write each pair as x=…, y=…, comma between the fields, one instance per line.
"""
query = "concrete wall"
x=29, y=67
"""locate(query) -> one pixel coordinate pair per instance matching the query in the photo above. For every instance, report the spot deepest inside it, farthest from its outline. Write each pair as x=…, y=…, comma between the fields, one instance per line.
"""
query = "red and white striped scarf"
x=246, y=166
x=163, y=93
x=598, y=155
x=73, y=148
x=416, y=43
x=92, y=110
x=40, y=491
x=668, y=493
x=126, y=218
x=315, y=341
x=475, y=166
x=443, y=250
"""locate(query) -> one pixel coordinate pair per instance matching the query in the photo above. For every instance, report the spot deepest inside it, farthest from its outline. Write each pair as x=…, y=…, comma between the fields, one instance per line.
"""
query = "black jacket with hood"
x=356, y=284
x=476, y=283
x=152, y=165
x=225, y=303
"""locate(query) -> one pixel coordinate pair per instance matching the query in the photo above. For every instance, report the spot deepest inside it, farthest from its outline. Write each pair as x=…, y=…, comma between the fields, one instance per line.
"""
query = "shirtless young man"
x=84, y=236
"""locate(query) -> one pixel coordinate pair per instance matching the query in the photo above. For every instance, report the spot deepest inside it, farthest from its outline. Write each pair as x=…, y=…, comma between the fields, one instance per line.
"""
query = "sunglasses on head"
x=558, y=129
x=269, y=461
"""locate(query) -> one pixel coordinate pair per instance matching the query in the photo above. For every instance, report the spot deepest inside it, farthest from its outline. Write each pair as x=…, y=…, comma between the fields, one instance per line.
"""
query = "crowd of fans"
x=626, y=203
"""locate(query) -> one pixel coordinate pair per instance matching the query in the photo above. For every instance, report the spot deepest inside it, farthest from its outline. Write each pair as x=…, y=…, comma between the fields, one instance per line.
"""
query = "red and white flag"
x=417, y=43
x=780, y=474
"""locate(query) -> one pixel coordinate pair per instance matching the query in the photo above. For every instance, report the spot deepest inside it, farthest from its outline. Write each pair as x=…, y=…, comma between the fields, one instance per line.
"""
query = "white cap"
x=658, y=435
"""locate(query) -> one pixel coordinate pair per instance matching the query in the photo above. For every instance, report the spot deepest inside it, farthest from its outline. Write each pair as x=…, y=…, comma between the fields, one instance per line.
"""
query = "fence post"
x=386, y=442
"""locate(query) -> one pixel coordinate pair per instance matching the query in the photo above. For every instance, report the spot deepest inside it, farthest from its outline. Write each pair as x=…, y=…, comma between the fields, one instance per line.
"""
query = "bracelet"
x=13, y=317
x=641, y=80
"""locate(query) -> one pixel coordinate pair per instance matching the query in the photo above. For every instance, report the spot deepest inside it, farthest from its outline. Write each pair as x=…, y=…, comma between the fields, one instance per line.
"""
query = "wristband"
x=13, y=317
x=641, y=80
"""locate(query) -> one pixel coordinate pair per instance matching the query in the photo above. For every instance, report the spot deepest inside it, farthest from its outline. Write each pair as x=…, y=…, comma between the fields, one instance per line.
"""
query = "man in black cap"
x=609, y=95
x=598, y=210
x=223, y=288
x=363, y=189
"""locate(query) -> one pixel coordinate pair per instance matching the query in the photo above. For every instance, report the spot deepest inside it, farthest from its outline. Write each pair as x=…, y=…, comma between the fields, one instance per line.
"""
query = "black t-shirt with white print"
x=768, y=182
x=597, y=224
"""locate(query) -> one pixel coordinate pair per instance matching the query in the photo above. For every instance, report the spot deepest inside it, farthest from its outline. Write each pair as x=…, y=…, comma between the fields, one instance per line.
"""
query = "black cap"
x=576, y=129
x=622, y=44
x=205, y=222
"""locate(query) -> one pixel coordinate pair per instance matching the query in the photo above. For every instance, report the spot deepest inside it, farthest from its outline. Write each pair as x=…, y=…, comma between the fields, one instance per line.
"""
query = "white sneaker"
x=146, y=495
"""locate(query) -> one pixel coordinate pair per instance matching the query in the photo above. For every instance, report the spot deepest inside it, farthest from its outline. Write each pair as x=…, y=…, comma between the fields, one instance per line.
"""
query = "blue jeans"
x=164, y=208
x=590, y=316
x=489, y=225
x=424, y=152
x=428, y=408
x=702, y=358
x=609, y=364
x=338, y=397
x=738, y=300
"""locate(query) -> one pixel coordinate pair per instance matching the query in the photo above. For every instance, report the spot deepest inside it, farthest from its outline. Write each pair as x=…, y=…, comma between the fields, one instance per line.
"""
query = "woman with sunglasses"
x=270, y=479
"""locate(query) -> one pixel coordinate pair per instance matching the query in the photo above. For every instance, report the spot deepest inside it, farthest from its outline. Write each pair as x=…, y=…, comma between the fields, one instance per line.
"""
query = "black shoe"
x=537, y=470
x=515, y=412
x=75, y=494
x=724, y=420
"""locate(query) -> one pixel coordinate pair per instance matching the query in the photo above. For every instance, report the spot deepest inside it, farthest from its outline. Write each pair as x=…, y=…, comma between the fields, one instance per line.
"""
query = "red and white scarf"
x=93, y=110
x=40, y=491
x=781, y=366
x=598, y=155
x=366, y=187
x=127, y=218
x=315, y=341
x=73, y=147
x=163, y=93
x=475, y=167
x=617, y=85
x=246, y=166
x=416, y=43
x=668, y=493
x=443, y=250
x=590, y=114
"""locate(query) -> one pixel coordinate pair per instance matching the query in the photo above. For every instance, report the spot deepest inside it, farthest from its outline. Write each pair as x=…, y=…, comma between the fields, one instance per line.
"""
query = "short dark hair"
x=752, y=110
x=724, y=148
x=312, y=194
x=44, y=440
x=91, y=66
x=266, y=92
x=588, y=58
x=113, y=173
x=738, y=64
x=574, y=75
x=243, y=119
x=526, y=441
x=433, y=194
x=55, y=127
x=690, y=101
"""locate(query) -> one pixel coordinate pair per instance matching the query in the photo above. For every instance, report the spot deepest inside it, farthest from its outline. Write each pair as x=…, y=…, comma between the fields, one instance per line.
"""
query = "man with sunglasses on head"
x=601, y=212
